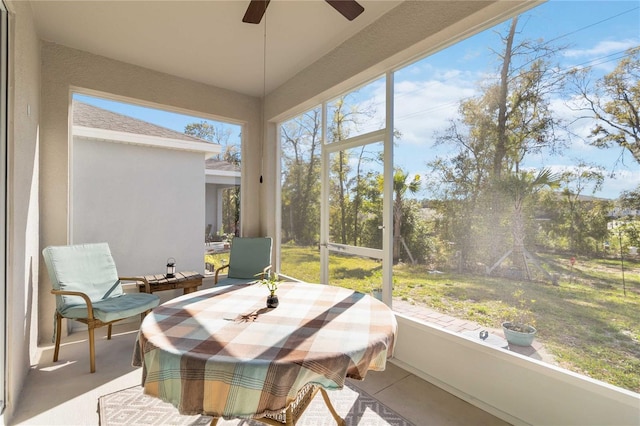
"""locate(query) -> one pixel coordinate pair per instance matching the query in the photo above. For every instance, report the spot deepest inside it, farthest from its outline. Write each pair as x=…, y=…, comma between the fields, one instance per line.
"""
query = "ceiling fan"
x=350, y=9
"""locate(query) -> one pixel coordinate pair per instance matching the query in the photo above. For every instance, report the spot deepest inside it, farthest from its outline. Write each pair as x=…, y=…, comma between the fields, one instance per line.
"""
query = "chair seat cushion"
x=114, y=308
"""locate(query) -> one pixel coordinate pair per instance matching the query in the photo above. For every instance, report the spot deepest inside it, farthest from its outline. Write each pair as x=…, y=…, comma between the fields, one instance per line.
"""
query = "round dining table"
x=221, y=352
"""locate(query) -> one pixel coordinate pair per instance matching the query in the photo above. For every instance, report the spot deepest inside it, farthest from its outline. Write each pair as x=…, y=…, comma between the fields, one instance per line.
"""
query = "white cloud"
x=577, y=122
x=603, y=57
x=623, y=181
x=422, y=108
x=602, y=48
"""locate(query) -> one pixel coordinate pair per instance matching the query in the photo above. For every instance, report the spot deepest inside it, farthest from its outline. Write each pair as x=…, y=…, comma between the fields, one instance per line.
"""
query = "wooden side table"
x=188, y=281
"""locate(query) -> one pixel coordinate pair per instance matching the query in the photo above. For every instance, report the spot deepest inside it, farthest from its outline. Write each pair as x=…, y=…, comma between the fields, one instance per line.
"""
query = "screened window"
x=512, y=202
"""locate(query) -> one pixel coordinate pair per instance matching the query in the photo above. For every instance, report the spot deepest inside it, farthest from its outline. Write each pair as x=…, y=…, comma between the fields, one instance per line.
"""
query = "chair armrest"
x=215, y=279
x=265, y=271
x=147, y=289
x=86, y=298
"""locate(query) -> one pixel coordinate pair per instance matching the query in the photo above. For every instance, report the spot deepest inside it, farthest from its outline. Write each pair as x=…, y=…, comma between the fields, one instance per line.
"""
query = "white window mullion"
x=278, y=200
x=387, y=202
x=4, y=47
x=324, y=201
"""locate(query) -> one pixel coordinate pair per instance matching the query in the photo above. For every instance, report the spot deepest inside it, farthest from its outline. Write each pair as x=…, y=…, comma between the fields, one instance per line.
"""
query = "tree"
x=346, y=187
x=401, y=184
x=350, y=185
x=630, y=199
x=519, y=188
x=615, y=103
x=574, y=183
x=524, y=122
x=217, y=133
x=509, y=120
x=301, y=138
x=501, y=141
x=339, y=130
x=202, y=130
x=630, y=232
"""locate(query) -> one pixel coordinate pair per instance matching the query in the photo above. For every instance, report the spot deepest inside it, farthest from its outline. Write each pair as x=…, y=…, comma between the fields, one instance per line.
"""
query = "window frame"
x=4, y=84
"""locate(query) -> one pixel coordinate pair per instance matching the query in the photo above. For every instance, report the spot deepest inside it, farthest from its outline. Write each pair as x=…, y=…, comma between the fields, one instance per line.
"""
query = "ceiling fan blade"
x=255, y=11
x=350, y=9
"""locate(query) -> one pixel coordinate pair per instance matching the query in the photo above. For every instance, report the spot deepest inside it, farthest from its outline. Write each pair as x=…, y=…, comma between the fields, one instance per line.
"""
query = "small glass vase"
x=272, y=301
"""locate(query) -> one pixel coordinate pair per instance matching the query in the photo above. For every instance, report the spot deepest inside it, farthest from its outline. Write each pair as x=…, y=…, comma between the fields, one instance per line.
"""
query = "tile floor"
x=65, y=393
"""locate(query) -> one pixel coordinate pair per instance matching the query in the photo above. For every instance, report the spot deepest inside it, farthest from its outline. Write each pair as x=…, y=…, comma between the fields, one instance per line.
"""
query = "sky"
x=428, y=92
x=594, y=32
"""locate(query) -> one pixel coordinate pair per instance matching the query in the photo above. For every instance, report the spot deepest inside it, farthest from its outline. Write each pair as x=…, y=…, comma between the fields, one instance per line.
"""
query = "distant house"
x=220, y=176
x=147, y=190
x=624, y=212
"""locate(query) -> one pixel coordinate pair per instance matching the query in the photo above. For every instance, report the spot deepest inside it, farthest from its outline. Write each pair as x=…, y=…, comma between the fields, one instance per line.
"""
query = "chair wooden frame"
x=265, y=271
x=91, y=322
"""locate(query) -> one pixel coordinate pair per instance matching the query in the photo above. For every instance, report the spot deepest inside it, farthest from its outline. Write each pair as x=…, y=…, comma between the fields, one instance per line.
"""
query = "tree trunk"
x=501, y=143
x=518, y=234
x=397, y=226
x=341, y=198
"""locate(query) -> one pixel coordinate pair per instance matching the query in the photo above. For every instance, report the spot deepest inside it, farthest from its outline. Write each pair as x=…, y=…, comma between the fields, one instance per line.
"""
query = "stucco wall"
x=147, y=203
x=23, y=169
x=65, y=69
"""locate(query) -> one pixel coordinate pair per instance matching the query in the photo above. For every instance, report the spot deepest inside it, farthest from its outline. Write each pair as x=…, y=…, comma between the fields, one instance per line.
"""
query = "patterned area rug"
x=131, y=407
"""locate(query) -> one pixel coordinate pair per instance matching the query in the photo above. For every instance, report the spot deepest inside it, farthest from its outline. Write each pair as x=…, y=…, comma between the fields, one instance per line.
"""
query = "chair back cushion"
x=88, y=268
x=249, y=257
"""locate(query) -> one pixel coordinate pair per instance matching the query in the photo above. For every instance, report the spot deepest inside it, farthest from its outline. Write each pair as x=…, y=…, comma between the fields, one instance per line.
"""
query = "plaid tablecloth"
x=221, y=352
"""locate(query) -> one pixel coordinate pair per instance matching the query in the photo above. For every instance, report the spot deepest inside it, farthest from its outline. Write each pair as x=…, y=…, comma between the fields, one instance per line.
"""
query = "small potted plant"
x=520, y=330
x=271, y=281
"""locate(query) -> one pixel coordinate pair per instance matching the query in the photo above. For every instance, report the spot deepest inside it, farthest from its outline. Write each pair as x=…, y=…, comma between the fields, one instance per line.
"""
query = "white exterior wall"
x=217, y=182
x=65, y=70
x=211, y=208
x=147, y=203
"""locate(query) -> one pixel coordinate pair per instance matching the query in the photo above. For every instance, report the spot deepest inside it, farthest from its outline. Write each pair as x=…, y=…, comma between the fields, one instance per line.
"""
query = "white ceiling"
x=205, y=41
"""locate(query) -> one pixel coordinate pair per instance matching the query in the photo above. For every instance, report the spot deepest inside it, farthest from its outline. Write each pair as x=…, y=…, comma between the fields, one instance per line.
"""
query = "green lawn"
x=586, y=322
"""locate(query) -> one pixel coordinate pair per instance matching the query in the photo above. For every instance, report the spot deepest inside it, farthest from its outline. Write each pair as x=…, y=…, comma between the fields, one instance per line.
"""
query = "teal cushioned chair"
x=88, y=289
x=249, y=258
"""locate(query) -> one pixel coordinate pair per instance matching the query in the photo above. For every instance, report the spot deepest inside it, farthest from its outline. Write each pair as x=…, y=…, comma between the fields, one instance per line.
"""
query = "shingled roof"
x=86, y=115
x=213, y=164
